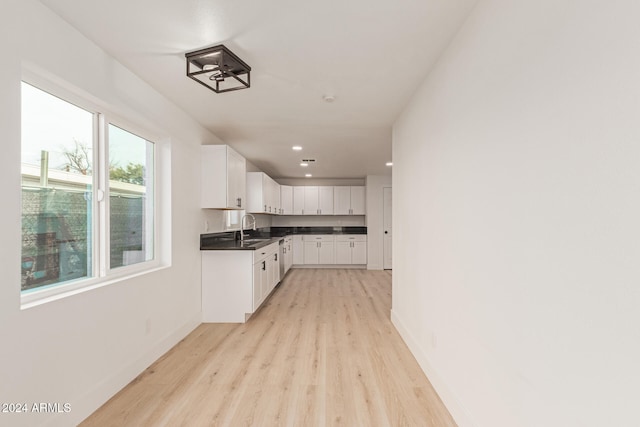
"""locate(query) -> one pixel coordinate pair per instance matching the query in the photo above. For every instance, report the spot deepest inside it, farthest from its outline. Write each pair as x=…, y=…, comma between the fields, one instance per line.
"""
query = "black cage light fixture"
x=219, y=69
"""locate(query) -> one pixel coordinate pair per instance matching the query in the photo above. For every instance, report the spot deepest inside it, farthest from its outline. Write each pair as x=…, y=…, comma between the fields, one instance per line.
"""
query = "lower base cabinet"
x=236, y=282
x=342, y=249
x=351, y=249
x=319, y=249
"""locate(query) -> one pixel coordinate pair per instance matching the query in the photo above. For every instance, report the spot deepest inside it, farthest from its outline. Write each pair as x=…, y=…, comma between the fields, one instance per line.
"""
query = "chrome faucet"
x=242, y=225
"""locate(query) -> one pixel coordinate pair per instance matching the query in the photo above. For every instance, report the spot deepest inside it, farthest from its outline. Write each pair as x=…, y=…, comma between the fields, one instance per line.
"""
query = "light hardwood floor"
x=320, y=352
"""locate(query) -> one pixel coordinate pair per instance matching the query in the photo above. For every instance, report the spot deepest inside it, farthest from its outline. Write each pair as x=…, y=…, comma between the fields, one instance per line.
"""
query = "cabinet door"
x=298, y=250
x=341, y=200
x=277, y=203
x=268, y=191
x=298, y=200
x=222, y=178
x=325, y=200
x=310, y=201
x=276, y=269
x=326, y=254
x=236, y=180
x=343, y=252
x=311, y=249
x=264, y=279
x=359, y=252
x=286, y=199
x=358, y=202
x=257, y=284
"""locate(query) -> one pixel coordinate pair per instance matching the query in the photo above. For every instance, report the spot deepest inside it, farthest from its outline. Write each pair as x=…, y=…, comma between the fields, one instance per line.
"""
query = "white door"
x=326, y=253
x=310, y=201
x=311, y=251
x=359, y=253
x=325, y=200
x=386, y=221
x=358, y=205
x=343, y=252
x=298, y=200
x=298, y=250
x=286, y=199
x=341, y=200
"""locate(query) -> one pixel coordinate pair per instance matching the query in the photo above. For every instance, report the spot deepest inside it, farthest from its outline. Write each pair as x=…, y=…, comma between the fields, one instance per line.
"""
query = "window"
x=88, y=205
x=130, y=198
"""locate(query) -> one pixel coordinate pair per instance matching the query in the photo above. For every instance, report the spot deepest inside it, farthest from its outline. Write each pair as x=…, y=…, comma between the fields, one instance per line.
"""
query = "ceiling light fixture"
x=219, y=69
x=304, y=165
x=308, y=175
x=328, y=98
x=389, y=164
x=296, y=148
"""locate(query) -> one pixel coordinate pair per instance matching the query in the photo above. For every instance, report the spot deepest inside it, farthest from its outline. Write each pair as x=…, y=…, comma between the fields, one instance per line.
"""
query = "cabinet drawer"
x=318, y=238
x=265, y=252
x=351, y=238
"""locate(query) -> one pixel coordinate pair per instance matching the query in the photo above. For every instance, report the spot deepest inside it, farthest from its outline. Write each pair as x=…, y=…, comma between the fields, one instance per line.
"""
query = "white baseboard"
x=456, y=409
x=90, y=401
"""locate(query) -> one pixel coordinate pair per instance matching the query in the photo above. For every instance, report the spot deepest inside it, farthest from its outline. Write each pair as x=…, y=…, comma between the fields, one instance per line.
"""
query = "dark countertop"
x=213, y=243
x=225, y=241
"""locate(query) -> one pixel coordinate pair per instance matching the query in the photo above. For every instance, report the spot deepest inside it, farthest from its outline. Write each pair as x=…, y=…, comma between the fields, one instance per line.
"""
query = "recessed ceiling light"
x=328, y=98
x=308, y=175
x=389, y=164
x=304, y=164
x=296, y=148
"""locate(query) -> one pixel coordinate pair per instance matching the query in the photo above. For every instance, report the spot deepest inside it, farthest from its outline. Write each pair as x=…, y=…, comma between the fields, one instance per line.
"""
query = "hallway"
x=321, y=352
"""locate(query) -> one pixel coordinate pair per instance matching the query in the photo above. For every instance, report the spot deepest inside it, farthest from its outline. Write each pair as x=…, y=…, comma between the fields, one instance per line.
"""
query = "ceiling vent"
x=308, y=160
x=219, y=69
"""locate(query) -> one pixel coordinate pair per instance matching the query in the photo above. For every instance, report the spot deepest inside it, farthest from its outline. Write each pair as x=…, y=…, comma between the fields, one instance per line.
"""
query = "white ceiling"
x=369, y=54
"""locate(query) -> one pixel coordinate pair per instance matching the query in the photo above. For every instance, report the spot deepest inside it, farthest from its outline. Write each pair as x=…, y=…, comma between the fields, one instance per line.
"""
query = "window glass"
x=57, y=189
x=131, y=219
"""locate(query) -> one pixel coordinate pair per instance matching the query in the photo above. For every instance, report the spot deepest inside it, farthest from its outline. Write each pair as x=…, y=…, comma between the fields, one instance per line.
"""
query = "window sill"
x=36, y=298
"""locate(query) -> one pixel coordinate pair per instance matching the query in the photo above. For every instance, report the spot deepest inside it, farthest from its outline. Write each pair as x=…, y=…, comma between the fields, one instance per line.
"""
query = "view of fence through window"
x=59, y=224
x=131, y=197
x=57, y=188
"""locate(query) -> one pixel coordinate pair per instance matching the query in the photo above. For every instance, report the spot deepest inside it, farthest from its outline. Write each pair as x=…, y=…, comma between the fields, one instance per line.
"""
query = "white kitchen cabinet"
x=318, y=249
x=275, y=197
x=351, y=249
x=359, y=252
x=343, y=252
x=325, y=200
x=349, y=200
x=286, y=199
x=288, y=254
x=223, y=178
x=298, y=250
x=236, y=282
x=310, y=201
x=263, y=194
x=298, y=200
x=317, y=200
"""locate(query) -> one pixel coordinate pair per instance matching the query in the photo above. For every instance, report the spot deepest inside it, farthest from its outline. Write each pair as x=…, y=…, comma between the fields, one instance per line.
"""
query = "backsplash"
x=318, y=221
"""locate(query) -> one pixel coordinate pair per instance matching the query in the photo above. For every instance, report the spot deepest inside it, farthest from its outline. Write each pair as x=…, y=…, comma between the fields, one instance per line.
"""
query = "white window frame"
x=102, y=274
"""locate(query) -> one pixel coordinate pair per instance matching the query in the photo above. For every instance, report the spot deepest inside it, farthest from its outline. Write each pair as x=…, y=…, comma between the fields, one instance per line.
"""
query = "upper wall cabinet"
x=263, y=194
x=316, y=200
x=349, y=200
x=223, y=176
x=286, y=199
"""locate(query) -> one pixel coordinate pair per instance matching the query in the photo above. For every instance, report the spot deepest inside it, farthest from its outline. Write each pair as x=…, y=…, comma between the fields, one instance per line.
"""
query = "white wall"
x=82, y=349
x=375, y=220
x=518, y=293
